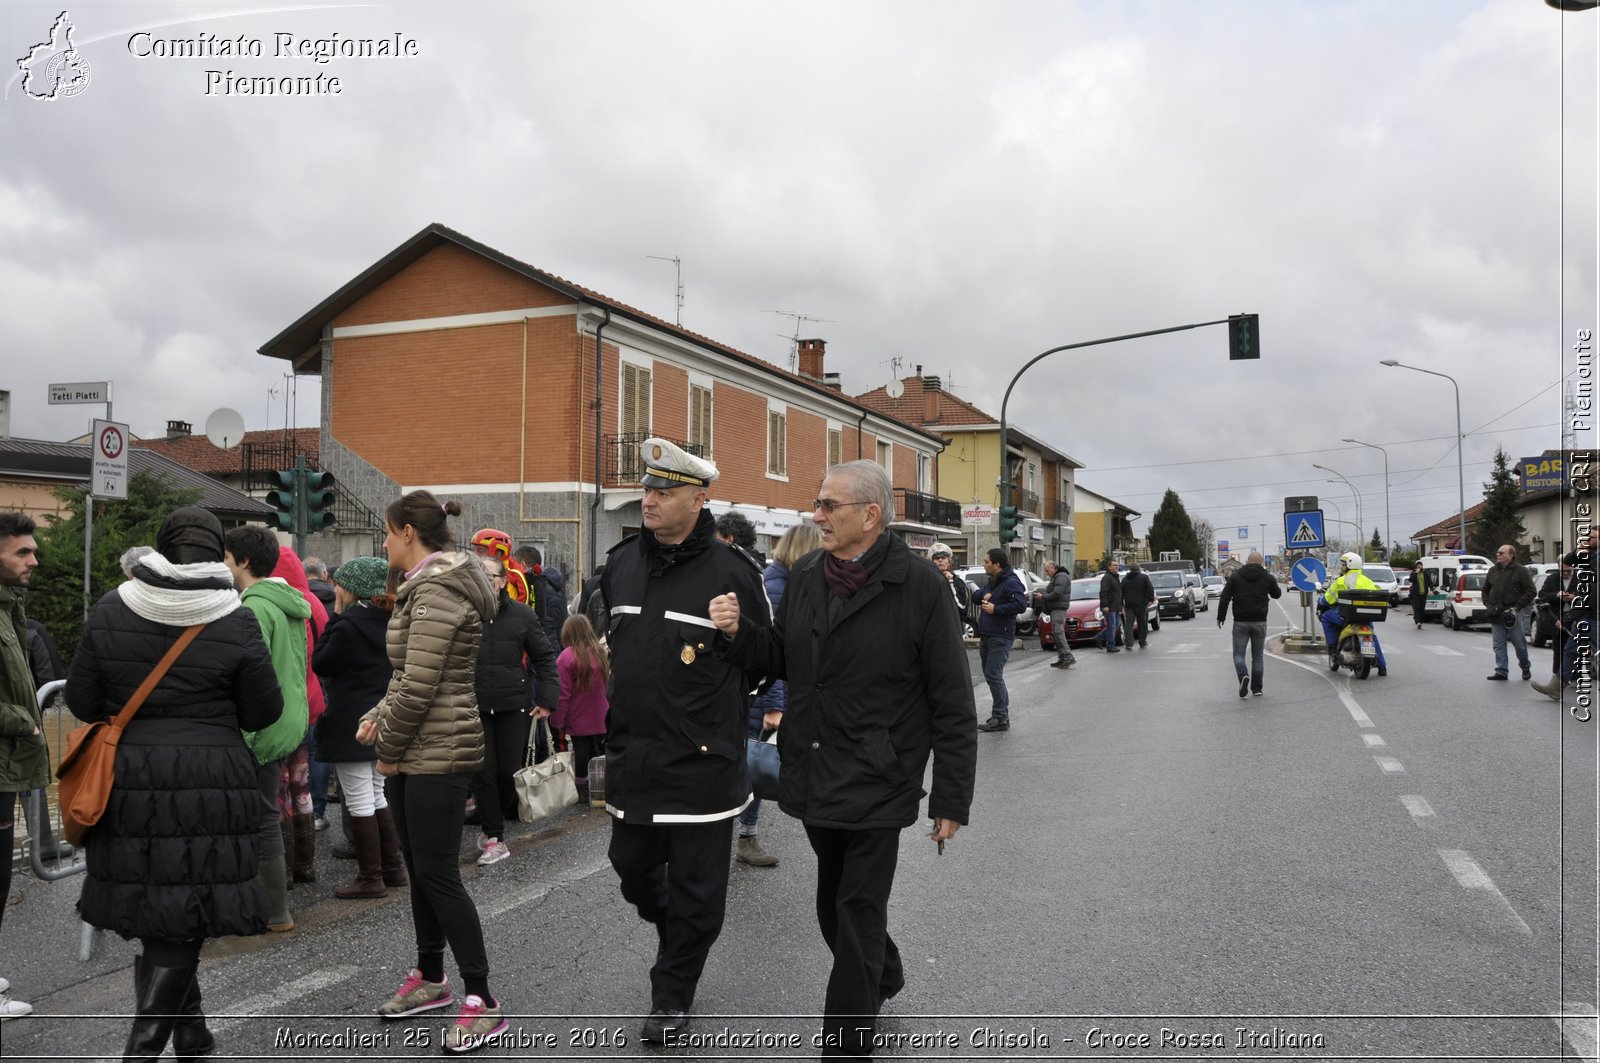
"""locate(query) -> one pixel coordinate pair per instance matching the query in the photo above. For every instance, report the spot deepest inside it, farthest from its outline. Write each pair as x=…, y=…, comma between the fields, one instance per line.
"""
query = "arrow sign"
x=1304, y=530
x=1307, y=573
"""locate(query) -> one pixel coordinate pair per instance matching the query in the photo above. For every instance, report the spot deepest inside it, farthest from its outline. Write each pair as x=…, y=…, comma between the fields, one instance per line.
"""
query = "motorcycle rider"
x=1353, y=579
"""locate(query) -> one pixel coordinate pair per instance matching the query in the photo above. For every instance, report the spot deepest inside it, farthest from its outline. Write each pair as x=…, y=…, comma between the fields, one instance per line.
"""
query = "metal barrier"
x=44, y=827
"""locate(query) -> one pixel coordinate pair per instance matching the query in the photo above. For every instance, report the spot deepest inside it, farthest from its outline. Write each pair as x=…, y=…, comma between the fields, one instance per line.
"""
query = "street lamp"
x=1388, y=530
x=1461, y=476
x=1353, y=491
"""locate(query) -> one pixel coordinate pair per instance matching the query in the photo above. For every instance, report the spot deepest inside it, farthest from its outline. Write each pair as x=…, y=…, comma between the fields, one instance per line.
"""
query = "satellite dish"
x=225, y=428
x=895, y=389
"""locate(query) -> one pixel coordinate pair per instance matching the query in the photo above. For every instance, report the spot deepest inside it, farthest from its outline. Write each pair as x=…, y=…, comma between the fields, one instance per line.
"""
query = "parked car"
x=1083, y=616
x=978, y=580
x=1465, y=606
x=1197, y=592
x=1387, y=580
x=1541, y=626
x=1213, y=586
x=1172, y=597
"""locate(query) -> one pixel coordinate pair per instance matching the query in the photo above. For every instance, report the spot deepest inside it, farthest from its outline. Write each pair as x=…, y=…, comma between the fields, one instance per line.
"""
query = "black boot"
x=304, y=868
x=190, y=1038
x=160, y=992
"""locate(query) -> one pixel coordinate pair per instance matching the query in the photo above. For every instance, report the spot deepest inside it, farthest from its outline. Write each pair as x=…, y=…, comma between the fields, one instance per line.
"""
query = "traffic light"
x=1244, y=336
x=1008, y=524
x=284, y=498
x=320, y=498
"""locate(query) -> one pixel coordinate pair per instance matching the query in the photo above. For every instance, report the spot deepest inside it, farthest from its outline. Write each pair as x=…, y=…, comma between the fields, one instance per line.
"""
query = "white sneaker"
x=5, y=984
x=13, y=1009
x=494, y=852
x=483, y=842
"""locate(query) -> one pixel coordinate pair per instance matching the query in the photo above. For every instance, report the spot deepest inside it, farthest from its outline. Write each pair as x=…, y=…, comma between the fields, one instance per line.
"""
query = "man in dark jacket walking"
x=1137, y=594
x=675, y=768
x=1248, y=591
x=1055, y=599
x=997, y=630
x=1111, y=604
x=1507, y=592
x=877, y=681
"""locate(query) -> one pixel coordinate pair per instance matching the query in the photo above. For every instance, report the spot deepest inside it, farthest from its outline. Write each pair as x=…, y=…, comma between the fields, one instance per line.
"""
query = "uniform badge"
x=687, y=654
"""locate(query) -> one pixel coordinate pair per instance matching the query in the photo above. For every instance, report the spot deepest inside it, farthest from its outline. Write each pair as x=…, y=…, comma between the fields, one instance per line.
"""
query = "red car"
x=1083, y=617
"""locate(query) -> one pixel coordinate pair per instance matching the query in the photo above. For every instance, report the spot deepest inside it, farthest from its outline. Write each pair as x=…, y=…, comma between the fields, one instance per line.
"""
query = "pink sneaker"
x=415, y=996
x=493, y=853
x=475, y=1026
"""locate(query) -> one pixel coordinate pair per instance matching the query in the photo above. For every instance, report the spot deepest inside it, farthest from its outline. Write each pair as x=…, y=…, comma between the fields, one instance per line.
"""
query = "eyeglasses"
x=828, y=505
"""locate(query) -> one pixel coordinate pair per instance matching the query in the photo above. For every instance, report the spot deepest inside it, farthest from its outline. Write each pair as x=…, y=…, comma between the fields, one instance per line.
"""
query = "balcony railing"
x=622, y=466
x=1063, y=512
x=918, y=508
x=1026, y=501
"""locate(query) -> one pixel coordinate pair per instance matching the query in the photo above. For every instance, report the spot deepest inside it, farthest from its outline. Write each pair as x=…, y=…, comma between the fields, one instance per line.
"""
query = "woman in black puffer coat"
x=173, y=861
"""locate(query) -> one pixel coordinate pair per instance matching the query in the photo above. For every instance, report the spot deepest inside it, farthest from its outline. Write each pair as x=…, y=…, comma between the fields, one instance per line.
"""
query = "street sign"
x=108, y=472
x=1307, y=573
x=1304, y=529
x=1299, y=503
x=93, y=391
x=1222, y=546
x=977, y=516
x=1244, y=533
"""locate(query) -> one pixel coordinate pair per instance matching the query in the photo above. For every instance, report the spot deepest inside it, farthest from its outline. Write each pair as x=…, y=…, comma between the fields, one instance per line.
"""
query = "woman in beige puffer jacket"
x=429, y=743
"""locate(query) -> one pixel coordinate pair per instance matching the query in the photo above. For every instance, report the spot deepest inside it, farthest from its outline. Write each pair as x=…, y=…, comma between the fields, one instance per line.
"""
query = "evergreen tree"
x=1375, y=547
x=55, y=591
x=1499, y=523
x=1171, y=529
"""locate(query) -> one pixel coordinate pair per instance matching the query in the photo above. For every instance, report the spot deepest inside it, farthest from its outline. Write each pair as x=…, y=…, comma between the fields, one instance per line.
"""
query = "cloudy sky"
x=950, y=185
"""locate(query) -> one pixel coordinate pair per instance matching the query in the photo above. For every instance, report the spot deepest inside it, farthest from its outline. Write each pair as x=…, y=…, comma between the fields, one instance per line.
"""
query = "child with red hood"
x=295, y=814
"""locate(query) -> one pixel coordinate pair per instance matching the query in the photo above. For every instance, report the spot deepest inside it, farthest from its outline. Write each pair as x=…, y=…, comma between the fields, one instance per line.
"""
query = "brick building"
x=451, y=366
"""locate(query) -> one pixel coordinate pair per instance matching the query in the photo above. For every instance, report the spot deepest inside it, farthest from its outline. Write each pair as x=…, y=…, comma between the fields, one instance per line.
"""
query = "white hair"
x=869, y=482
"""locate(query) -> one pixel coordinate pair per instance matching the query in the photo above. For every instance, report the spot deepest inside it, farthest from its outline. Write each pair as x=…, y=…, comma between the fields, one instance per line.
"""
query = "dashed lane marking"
x=1345, y=698
x=1390, y=765
x=1418, y=806
x=1373, y=740
x=1443, y=651
x=1470, y=876
x=1185, y=647
x=265, y=1004
x=1581, y=1028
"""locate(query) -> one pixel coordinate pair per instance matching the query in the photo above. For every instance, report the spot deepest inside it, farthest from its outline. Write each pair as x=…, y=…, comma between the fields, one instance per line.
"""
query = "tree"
x=55, y=590
x=1171, y=529
x=1375, y=549
x=1205, y=534
x=1499, y=523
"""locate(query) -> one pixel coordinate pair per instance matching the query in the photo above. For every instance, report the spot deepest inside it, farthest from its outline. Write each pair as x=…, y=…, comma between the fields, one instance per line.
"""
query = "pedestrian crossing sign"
x=1304, y=530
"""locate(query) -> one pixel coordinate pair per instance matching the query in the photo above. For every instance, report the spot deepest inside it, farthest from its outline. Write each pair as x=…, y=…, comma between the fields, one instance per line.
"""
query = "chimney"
x=832, y=382
x=931, y=386
x=179, y=429
x=811, y=358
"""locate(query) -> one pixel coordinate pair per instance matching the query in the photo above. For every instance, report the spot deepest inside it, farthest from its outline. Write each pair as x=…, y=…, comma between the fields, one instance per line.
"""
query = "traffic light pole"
x=1004, y=482
x=300, y=520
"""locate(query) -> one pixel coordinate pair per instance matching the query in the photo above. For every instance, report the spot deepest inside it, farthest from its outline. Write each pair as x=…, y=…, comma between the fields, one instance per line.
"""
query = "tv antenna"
x=677, y=265
x=794, y=341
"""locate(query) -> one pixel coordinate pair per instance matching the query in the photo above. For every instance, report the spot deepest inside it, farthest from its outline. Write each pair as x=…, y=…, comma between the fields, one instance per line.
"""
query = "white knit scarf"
x=173, y=603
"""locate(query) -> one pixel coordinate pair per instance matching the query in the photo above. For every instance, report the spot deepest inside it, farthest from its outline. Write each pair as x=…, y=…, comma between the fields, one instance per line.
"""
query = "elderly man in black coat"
x=878, y=680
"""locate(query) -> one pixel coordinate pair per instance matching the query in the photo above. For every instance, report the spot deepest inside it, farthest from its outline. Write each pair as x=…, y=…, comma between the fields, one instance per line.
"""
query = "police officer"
x=675, y=749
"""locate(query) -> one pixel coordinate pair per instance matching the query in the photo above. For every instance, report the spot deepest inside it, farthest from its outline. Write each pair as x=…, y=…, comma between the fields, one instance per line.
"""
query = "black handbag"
x=761, y=758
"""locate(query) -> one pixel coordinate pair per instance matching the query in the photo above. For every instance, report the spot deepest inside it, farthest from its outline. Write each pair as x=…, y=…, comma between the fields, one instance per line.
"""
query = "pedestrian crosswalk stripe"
x=1444, y=651
x=1185, y=647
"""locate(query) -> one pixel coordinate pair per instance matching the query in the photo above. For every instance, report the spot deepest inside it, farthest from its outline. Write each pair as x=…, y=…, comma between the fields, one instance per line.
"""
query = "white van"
x=1441, y=570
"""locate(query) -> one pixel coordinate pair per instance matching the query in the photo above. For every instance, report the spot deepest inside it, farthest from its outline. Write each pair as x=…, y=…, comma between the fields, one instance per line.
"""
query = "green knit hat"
x=364, y=577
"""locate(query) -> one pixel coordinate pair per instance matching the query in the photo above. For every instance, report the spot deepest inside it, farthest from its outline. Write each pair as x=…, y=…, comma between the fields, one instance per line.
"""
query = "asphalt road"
x=1392, y=868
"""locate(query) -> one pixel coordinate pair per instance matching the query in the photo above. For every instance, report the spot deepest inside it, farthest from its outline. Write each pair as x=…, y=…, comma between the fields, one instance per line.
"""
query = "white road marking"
x=534, y=894
x=1345, y=698
x=1443, y=651
x=1418, y=806
x=1185, y=647
x=1579, y=1026
x=1354, y=709
x=1373, y=740
x=264, y=1005
x=1470, y=876
x=1390, y=765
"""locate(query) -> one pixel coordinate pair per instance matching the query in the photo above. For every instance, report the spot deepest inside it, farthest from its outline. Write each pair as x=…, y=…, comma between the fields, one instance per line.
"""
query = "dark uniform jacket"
x=874, y=687
x=352, y=660
x=675, y=744
x=514, y=645
x=174, y=856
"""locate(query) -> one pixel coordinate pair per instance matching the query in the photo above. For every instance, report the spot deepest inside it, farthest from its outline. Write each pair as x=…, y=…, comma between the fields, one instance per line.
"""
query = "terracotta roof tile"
x=202, y=455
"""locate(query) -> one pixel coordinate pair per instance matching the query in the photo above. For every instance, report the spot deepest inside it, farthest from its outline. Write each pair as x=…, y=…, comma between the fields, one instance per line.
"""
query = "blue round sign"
x=1307, y=573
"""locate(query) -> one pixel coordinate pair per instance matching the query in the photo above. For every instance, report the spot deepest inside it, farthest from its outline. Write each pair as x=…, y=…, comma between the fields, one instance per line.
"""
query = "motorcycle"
x=1356, y=648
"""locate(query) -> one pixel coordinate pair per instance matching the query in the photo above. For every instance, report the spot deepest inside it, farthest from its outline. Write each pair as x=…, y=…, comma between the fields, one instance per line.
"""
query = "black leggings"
x=428, y=813
x=505, y=747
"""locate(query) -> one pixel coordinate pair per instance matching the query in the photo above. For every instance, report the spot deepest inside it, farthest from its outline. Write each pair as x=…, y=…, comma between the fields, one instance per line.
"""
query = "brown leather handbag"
x=89, y=766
